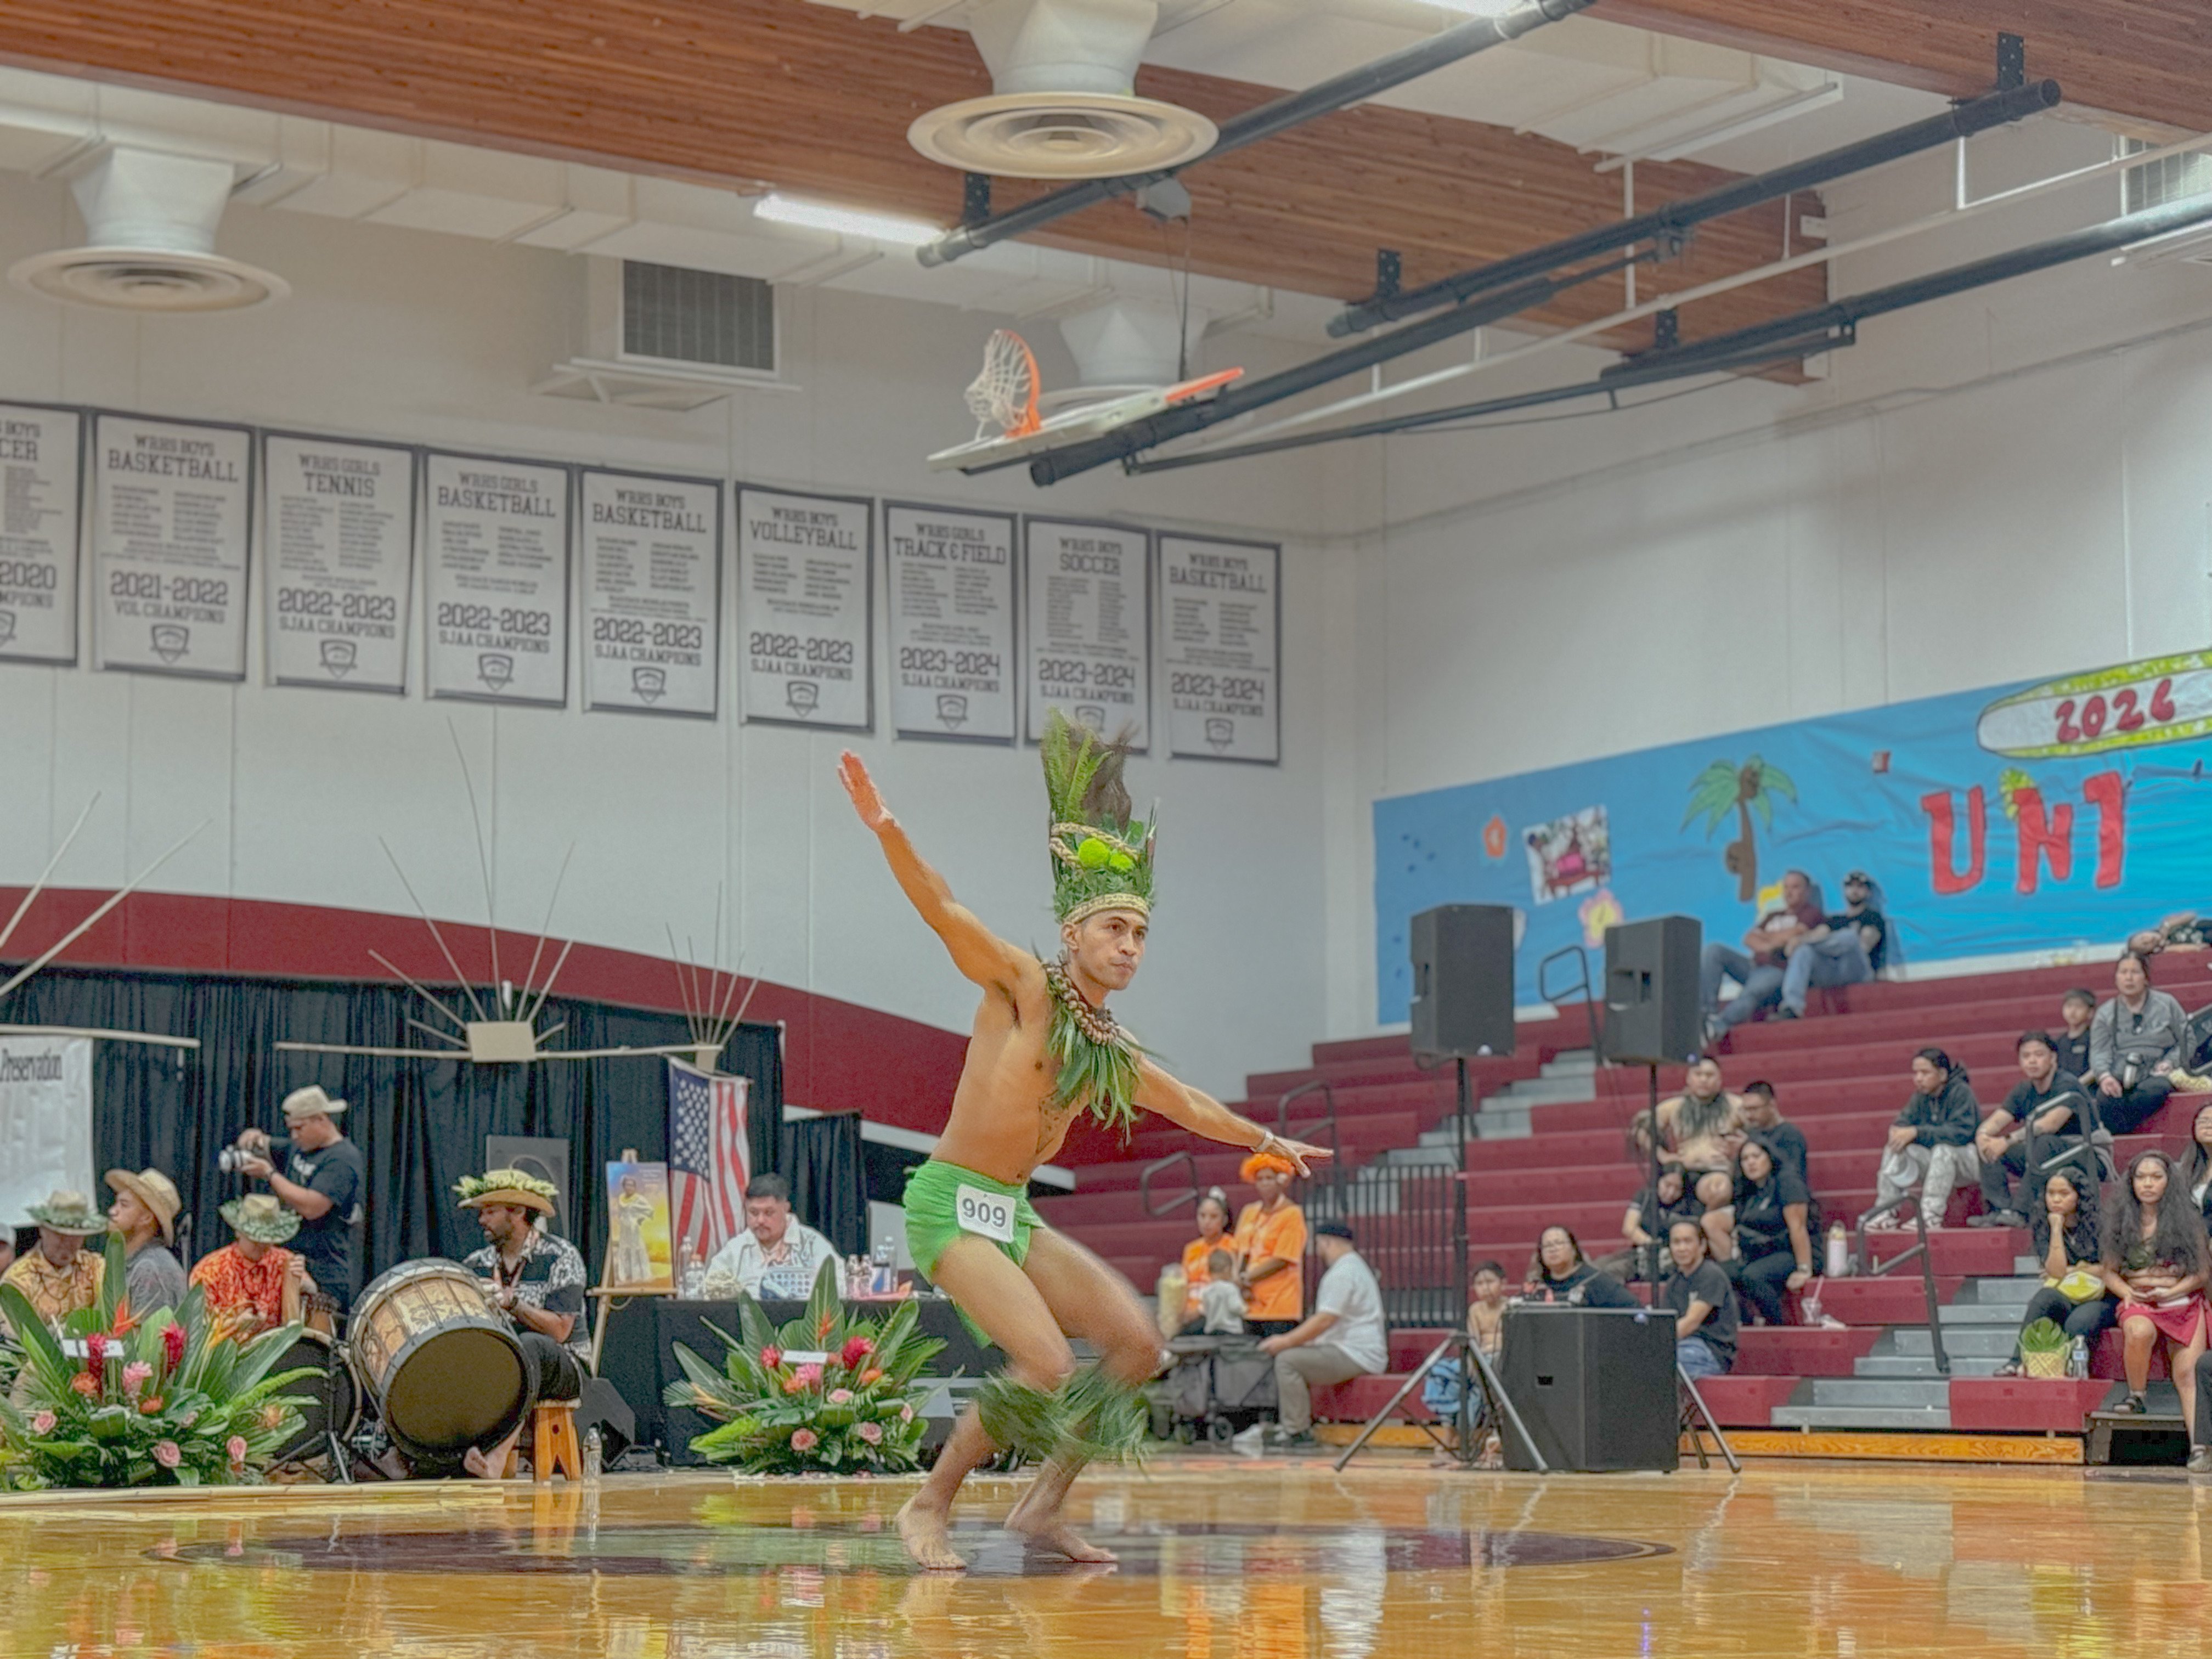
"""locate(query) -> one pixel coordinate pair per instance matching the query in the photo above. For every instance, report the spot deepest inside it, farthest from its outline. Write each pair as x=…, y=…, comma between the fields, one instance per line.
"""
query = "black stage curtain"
x=827, y=1167
x=421, y=1124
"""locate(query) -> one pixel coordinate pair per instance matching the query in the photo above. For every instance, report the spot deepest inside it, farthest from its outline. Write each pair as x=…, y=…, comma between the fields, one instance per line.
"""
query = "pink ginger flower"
x=95, y=1351
x=173, y=1345
x=135, y=1375
x=804, y=1440
x=808, y=1376
x=167, y=1454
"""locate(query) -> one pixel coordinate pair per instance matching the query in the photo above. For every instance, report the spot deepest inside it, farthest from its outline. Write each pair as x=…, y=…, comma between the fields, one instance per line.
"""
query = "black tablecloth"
x=640, y=1356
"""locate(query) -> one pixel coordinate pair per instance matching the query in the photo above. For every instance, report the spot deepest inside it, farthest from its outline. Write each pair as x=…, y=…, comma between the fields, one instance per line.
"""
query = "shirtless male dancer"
x=1044, y=1049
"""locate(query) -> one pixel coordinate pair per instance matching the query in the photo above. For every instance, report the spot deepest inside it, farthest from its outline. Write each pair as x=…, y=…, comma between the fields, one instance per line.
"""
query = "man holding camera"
x=323, y=1183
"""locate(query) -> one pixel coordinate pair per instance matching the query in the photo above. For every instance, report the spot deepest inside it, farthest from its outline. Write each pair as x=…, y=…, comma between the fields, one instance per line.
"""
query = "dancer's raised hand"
x=866, y=800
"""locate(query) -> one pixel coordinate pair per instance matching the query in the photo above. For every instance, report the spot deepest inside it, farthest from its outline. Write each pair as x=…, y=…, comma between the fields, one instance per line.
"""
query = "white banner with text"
x=338, y=535
x=172, y=515
x=41, y=510
x=951, y=595
x=652, y=591
x=806, y=607
x=495, y=579
x=1221, y=629
x=1088, y=643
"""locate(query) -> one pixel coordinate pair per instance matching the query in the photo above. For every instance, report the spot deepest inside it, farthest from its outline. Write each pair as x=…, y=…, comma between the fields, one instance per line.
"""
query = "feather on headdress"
x=1101, y=857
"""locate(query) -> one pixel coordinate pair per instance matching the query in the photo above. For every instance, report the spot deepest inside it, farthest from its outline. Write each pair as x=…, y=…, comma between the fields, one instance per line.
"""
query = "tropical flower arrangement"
x=826, y=1394
x=173, y=1400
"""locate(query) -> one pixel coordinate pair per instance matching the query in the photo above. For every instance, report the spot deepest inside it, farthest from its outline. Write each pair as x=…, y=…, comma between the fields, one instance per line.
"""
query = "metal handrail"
x=1145, y=1184
x=1334, y=1173
x=1583, y=984
x=1919, y=1252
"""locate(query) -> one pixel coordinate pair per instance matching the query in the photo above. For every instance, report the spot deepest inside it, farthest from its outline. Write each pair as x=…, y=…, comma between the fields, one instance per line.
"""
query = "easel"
x=606, y=1294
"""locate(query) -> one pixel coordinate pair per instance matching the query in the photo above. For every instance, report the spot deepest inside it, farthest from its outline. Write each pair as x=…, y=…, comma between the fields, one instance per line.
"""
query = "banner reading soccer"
x=1089, y=645
x=46, y=1122
x=952, y=598
x=495, y=579
x=172, y=513
x=1221, y=623
x=41, y=454
x=338, y=526
x=805, y=607
x=652, y=591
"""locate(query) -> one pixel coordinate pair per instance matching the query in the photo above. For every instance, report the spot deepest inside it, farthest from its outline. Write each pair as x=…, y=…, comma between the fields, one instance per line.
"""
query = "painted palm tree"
x=1747, y=788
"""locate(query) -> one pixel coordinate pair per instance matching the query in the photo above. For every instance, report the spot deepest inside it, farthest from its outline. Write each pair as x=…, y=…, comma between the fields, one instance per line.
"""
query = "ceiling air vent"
x=667, y=337
x=2162, y=183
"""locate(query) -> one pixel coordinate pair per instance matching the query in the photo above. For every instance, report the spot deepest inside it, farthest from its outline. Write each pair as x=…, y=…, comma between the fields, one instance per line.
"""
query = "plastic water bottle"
x=883, y=1280
x=1839, y=1251
x=595, y=1449
x=2077, y=1359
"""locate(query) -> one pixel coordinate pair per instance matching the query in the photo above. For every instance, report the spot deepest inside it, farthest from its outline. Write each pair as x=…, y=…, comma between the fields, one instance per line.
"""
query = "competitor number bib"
x=990, y=1214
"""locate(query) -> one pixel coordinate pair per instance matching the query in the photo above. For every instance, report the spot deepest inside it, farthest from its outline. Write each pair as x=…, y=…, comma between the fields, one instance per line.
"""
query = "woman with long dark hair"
x=1214, y=1239
x=1561, y=1274
x=2195, y=1169
x=2070, y=1249
x=2155, y=1259
x=1773, y=1233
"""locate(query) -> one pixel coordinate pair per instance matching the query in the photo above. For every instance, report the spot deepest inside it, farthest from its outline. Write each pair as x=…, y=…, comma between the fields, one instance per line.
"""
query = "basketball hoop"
x=1004, y=395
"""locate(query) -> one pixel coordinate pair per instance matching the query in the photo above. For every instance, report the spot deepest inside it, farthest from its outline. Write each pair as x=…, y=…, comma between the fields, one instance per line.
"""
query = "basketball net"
x=1004, y=395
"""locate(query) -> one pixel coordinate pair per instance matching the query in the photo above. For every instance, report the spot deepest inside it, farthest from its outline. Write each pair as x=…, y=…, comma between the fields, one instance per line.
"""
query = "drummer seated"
x=253, y=1283
x=538, y=1281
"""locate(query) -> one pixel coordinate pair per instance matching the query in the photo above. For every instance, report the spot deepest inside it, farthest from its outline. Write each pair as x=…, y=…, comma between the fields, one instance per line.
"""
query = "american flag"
x=708, y=1163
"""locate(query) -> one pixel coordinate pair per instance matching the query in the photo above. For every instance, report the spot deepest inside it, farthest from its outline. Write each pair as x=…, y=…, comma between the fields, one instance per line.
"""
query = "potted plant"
x=826, y=1394
x=2043, y=1348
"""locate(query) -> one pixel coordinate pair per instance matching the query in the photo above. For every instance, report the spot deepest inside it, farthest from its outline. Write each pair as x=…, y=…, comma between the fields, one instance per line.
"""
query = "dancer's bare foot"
x=1036, y=1521
x=477, y=1464
x=921, y=1529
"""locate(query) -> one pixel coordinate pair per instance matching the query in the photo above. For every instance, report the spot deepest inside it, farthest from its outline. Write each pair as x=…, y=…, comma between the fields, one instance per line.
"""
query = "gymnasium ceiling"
x=1496, y=155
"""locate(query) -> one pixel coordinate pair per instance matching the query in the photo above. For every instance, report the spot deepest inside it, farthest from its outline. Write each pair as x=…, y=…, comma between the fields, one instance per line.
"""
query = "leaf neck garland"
x=1097, y=1059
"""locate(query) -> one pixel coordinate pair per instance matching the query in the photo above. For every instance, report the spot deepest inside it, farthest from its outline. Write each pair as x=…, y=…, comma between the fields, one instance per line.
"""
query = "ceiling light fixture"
x=779, y=208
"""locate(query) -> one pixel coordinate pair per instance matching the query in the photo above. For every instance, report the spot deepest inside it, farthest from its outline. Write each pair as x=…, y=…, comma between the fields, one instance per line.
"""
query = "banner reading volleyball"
x=338, y=523
x=805, y=608
x=1221, y=621
x=1088, y=642
x=495, y=579
x=40, y=465
x=950, y=593
x=652, y=589
x=171, y=511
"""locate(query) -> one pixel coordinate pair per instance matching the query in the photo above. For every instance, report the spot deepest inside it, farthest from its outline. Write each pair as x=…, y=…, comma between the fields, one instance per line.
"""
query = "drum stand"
x=341, y=1455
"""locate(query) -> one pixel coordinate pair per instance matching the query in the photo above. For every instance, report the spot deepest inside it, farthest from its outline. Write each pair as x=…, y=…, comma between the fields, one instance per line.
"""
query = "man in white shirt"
x=1345, y=1336
x=776, y=1256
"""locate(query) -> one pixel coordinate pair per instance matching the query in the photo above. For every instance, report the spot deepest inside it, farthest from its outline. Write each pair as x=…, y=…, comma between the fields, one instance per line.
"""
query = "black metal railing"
x=1920, y=1253
x=1330, y=1173
x=1401, y=1214
x=1160, y=1166
x=1581, y=983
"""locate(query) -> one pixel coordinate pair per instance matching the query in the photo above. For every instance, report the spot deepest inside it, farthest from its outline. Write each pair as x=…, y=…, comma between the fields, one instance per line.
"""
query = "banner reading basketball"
x=1221, y=621
x=339, y=522
x=952, y=593
x=495, y=579
x=805, y=599
x=39, y=467
x=172, y=504
x=1088, y=645
x=652, y=592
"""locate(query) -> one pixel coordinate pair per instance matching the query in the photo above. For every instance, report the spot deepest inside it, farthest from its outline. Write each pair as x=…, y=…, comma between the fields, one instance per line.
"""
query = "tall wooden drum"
x=446, y=1370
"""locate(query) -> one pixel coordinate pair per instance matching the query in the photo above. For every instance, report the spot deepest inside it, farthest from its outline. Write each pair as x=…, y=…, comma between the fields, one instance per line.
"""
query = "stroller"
x=1218, y=1385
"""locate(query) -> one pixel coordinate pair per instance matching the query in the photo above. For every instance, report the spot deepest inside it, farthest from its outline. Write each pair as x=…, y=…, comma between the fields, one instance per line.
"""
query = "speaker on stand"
x=1651, y=1011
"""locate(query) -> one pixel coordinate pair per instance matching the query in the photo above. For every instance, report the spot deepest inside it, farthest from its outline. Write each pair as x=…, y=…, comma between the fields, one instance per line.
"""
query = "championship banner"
x=951, y=594
x=1088, y=643
x=1221, y=616
x=172, y=516
x=46, y=1122
x=806, y=604
x=41, y=510
x=338, y=544
x=652, y=591
x=495, y=579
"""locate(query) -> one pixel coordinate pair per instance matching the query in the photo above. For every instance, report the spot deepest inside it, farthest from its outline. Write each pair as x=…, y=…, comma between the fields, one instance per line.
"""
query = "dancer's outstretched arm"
x=977, y=952
x=1202, y=1114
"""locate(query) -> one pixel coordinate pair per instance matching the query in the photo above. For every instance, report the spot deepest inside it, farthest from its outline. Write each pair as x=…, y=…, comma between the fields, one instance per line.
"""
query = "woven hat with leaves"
x=1101, y=853
x=70, y=1212
x=514, y=1186
x=260, y=1217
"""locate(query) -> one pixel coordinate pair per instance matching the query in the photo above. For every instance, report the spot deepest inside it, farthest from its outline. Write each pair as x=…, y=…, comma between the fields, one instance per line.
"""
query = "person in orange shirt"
x=1271, y=1248
x=1213, y=1235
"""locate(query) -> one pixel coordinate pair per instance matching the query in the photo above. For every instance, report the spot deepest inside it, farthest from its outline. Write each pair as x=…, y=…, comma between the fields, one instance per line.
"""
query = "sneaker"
x=2200, y=1460
x=1997, y=1218
x=1285, y=1440
x=2134, y=1406
x=1896, y=1221
x=1787, y=1013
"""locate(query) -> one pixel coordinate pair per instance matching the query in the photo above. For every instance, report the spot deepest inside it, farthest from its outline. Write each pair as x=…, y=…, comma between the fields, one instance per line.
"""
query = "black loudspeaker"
x=1596, y=1386
x=1463, y=1003
x=603, y=1405
x=1651, y=1012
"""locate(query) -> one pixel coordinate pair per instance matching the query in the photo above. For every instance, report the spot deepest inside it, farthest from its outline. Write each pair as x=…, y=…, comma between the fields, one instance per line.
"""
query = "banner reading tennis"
x=340, y=532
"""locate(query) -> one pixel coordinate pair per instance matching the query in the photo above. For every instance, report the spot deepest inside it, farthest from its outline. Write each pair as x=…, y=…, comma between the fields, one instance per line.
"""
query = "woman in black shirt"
x=1773, y=1234
x=2197, y=1163
x=1562, y=1275
x=2067, y=1238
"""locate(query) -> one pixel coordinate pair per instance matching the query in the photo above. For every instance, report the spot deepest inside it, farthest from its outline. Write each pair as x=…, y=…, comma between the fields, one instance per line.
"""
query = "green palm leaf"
x=1774, y=778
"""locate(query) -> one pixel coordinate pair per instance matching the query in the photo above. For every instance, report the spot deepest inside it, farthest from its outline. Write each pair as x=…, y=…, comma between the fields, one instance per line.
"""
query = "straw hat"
x=260, y=1217
x=524, y=1192
x=68, y=1213
x=310, y=1102
x=155, y=1191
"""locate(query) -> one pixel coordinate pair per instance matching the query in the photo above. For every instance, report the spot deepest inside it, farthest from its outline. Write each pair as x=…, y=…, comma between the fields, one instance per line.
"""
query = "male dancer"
x=1044, y=1049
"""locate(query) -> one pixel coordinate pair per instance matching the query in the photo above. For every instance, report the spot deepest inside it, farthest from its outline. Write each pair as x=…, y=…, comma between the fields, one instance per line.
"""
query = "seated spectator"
x=1644, y=1226
x=145, y=1215
x=61, y=1276
x=2133, y=1041
x=1271, y=1247
x=7, y=1250
x=2197, y=1163
x=2070, y=1249
x=2075, y=1010
x=1705, y=1318
x=1221, y=1303
x=1560, y=1274
x=1485, y=1323
x=252, y=1282
x=1344, y=1337
x=1931, y=1143
x=2046, y=1115
x=2154, y=1261
x=1762, y=1117
x=1773, y=1232
x=1214, y=1237
x=776, y=1256
x=1759, y=975
x=1845, y=949
x=1699, y=1131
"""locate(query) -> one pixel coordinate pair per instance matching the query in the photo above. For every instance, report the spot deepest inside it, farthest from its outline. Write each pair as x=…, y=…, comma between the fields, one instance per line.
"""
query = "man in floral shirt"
x=61, y=1276
x=253, y=1281
x=538, y=1281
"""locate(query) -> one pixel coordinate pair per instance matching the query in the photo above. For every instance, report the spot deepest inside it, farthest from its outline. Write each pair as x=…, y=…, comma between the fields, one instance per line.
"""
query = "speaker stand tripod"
x=1459, y=1342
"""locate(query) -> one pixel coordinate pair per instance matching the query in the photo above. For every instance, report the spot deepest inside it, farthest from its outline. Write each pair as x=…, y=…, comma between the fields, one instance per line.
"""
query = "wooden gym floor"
x=1222, y=1559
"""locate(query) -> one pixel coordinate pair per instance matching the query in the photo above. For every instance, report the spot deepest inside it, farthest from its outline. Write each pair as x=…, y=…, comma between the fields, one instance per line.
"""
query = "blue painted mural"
x=2021, y=817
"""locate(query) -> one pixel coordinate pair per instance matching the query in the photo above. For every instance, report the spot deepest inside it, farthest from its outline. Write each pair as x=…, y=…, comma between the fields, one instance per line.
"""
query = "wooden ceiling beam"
x=2148, y=60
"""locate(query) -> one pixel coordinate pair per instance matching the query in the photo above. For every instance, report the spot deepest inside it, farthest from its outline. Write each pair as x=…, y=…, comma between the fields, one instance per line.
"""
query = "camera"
x=233, y=1160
